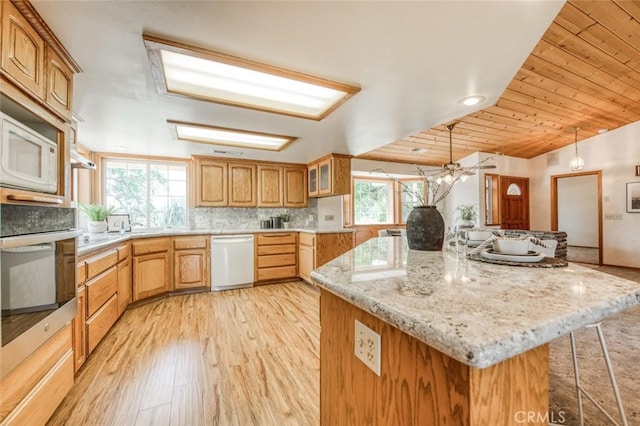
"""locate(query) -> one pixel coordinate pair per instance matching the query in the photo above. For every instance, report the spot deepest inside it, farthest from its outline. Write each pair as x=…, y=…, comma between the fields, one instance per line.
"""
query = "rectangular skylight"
x=218, y=77
x=230, y=137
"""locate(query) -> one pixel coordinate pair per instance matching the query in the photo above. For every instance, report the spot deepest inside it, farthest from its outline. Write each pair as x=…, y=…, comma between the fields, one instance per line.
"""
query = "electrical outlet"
x=613, y=216
x=310, y=218
x=199, y=220
x=367, y=347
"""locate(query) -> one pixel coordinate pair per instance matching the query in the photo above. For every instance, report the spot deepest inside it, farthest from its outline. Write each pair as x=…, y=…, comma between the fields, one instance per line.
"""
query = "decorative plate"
x=546, y=262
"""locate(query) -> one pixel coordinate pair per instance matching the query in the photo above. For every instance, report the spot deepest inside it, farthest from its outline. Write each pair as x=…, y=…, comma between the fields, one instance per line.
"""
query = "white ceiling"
x=413, y=61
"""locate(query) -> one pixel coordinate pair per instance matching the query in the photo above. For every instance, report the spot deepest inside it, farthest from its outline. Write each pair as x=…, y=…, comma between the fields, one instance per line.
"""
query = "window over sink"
x=153, y=193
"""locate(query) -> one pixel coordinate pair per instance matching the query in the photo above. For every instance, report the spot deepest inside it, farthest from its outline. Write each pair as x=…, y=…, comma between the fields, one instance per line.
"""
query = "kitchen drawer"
x=278, y=249
x=276, y=260
x=276, y=238
x=151, y=245
x=276, y=273
x=100, y=323
x=81, y=273
x=307, y=239
x=123, y=252
x=100, y=289
x=187, y=243
x=21, y=380
x=101, y=262
x=45, y=397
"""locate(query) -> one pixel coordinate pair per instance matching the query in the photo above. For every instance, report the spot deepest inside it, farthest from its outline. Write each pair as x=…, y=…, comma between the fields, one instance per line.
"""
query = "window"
x=384, y=200
x=153, y=193
x=412, y=191
x=373, y=201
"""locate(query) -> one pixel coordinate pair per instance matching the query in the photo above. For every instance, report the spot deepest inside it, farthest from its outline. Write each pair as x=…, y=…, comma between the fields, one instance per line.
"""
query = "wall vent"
x=553, y=159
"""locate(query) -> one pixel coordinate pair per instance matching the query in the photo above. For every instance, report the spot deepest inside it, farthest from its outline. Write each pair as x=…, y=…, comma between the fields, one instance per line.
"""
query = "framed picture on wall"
x=633, y=197
x=117, y=221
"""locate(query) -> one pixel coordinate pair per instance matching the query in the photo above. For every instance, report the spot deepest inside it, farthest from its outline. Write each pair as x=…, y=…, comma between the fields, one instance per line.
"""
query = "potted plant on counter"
x=286, y=220
x=468, y=215
x=97, y=215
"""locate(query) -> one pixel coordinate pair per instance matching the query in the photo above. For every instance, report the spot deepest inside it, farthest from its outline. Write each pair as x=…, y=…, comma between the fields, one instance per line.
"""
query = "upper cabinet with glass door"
x=330, y=175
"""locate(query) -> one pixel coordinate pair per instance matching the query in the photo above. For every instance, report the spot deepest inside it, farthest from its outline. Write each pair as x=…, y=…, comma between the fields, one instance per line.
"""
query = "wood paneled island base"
x=419, y=385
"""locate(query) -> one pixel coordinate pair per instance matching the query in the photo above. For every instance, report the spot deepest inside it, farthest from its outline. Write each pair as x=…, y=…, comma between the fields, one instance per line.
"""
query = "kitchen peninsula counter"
x=474, y=335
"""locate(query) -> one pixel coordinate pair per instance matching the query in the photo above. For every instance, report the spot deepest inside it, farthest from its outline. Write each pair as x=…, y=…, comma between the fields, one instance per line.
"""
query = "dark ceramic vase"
x=425, y=229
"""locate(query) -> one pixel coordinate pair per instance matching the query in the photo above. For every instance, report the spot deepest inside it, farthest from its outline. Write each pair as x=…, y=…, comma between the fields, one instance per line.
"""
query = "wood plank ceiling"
x=584, y=72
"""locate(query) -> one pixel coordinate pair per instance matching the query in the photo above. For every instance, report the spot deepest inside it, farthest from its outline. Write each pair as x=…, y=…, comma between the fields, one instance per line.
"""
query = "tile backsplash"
x=17, y=219
x=249, y=218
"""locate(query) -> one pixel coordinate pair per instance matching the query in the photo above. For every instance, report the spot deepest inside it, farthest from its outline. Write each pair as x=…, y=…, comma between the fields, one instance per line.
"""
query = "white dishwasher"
x=232, y=261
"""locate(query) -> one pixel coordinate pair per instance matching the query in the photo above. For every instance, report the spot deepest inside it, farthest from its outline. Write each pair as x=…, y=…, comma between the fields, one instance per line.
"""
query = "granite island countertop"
x=477, y=313
x=107, y=239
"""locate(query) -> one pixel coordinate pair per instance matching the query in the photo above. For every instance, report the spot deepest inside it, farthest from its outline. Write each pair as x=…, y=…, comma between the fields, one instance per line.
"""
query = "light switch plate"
x=613, y=216
x=367, y=347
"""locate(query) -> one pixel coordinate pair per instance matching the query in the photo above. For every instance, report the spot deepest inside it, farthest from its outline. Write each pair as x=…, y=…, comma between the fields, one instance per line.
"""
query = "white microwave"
x=29, y=160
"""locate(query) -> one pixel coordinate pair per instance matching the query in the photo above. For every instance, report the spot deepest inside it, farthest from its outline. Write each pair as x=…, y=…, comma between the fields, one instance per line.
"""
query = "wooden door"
x=270, y=192
x=22, y=51
x=211, y=183
x=190, y=269
x=242, y=185
x=514, y=202
x=295, y=187
x=150, y=275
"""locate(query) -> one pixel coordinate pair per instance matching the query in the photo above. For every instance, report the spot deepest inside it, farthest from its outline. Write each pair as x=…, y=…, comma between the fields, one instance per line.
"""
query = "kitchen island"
x=462, y=342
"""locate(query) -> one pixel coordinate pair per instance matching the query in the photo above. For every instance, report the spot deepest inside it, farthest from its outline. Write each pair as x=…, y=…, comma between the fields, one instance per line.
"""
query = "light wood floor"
x=239, y=357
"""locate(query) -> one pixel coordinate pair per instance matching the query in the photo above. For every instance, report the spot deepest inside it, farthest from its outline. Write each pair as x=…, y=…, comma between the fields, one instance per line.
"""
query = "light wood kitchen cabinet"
x=306, y=261
x=124, y=285
x=22, y=51
x=295, y=187
x=59, y=84
x=211, y=183
x=242, y=185
x=33, y=390
x=101, y=322
x=330, y=175
x=191, y=262
x=151, y=267
x=270, y=186
x=275, y=257
x=313, y=180
x=219, y=183
x=79, y=332
x=314, y=250
x=100, y=289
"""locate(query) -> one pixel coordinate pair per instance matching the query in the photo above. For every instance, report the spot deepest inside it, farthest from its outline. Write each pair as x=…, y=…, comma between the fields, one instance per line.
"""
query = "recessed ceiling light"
x=472, y=100
x=601, y=131
x=218, y=77
x=419, y=150
x=230, y=137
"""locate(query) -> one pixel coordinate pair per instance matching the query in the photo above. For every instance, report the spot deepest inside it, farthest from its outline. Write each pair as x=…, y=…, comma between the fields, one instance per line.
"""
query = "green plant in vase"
x=97, y=215
x=286, y=219
x=468, y=214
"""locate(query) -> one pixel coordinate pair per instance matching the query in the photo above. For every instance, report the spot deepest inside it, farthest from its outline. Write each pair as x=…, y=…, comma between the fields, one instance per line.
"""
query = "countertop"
x=101, y=241
x=477, y=313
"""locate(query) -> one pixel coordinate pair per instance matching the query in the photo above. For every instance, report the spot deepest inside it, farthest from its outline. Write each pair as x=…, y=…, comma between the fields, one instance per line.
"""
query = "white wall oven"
x=38, y=279
x=29, y=160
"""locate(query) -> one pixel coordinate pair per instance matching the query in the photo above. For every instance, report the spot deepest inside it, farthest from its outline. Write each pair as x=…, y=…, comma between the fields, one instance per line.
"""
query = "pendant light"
x=576, y=163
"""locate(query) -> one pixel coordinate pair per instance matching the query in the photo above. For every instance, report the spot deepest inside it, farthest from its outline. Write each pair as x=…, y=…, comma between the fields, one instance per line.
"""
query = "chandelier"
x=576, y=163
